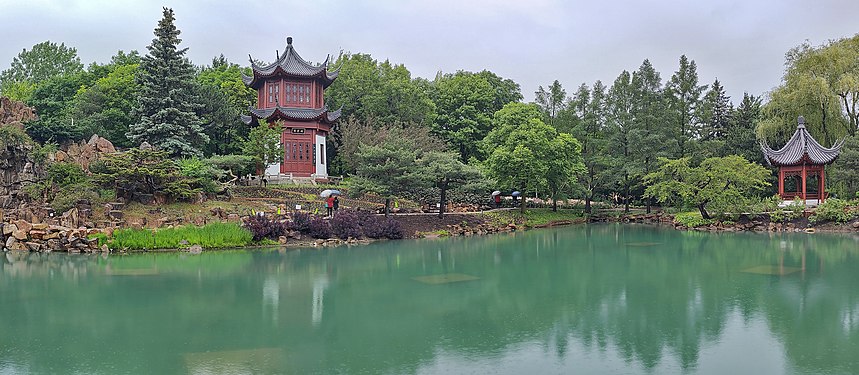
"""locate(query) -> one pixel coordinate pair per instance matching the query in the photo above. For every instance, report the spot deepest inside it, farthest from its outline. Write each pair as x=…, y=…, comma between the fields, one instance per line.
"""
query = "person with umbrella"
x=496, y=197
x=329, y=196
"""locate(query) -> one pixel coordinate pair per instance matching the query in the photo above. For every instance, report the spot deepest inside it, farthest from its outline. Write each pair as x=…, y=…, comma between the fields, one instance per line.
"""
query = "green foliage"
x=140, y=171
x=792, y=212
x=214, y=235
x=718, y=185
x=692, y=219
x=167, y=104
x=263, y=145
x=353, y=133
x=53, y=100
x=41, y=62
x=12, y=136
x=822, y=84
x=65, y=174
x=367, y=89
x=68, y=195
x=527, y=154
x=224, y=97
x=201, y=174
x=41, y=152
x=834, y=209
x=683, y=96
x=387, y=170
x=551, y=101
x=233, y=165
x=466, y=103
x=444, y=171
x=843, y=176
x=107, y=107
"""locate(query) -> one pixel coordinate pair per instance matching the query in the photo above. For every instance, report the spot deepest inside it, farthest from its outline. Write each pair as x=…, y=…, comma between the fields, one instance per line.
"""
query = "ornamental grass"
x=214, y=235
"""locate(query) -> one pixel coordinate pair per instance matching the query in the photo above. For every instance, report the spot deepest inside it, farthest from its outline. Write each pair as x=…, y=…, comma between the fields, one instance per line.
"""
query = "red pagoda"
x=290, y=92
x=801, y=159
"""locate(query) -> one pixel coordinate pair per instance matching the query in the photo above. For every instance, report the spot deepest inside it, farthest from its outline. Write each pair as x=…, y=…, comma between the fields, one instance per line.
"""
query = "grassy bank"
x=536, y=217
x=214, y=235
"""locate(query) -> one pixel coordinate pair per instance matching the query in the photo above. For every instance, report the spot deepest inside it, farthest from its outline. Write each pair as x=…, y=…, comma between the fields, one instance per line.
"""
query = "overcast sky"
x=533, y=42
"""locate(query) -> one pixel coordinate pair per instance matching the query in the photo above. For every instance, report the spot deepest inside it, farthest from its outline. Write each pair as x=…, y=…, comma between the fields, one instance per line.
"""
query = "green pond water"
x=613, y=299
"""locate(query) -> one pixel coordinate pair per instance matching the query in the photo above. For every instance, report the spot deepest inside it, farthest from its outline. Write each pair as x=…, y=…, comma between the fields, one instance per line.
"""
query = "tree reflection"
x=650, y=295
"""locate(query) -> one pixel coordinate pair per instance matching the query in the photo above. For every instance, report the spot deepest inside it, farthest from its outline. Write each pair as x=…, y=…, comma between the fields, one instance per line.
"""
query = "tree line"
x=600, y=142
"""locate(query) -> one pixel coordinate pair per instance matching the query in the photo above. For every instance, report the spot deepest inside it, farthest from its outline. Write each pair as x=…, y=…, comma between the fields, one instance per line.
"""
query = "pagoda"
x=290, y=92
x=800, y=159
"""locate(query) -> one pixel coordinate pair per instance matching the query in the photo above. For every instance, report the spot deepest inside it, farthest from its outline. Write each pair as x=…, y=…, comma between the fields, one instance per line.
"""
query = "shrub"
x=263, y=227
x=833, y=209
x=692, y=219
x=381, y=227
x=65, y=174
x=301, y=222
x=67, y=197
x=345, y=224
x=319, y=228
x=201, y=173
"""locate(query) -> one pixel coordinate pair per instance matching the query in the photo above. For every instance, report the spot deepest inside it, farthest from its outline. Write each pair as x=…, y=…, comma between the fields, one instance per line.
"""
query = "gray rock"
x=195, y=249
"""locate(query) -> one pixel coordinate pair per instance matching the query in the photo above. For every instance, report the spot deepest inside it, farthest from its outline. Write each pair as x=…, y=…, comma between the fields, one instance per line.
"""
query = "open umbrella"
x=496, y=192
x=516, y=194
x=329, y=192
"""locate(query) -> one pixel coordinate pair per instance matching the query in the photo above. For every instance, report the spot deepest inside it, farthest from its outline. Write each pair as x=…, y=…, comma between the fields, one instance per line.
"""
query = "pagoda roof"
x=292, y=113
x=801, y=148
x=291, y=64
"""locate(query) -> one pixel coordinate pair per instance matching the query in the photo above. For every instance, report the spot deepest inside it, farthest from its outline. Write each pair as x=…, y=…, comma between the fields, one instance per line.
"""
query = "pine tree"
x=621, y=122
x=167, y=104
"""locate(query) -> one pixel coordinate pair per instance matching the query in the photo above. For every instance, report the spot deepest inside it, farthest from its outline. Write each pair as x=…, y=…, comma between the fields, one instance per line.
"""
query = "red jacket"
x=329, y=202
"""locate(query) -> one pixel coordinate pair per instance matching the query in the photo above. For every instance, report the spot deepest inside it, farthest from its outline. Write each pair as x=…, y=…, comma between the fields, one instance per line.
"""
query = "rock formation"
x=17, y=167
x=85, y=153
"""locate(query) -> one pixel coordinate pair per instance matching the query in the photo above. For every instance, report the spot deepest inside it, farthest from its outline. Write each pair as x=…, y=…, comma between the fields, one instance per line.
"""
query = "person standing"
x=329, y=204
x=336, y=204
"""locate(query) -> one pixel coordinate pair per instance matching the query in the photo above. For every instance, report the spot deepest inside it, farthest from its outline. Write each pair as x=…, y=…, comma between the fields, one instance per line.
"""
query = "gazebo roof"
x=291, y=64
x=291, y=113
x=801, y=148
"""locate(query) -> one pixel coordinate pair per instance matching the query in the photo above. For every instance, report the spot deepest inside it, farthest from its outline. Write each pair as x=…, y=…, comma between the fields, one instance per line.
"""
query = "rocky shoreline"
x=21, y=235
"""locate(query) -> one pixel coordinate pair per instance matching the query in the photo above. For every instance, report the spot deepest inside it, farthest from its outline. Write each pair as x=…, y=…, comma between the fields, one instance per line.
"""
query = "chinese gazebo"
x=290, y=92
x=800, y=160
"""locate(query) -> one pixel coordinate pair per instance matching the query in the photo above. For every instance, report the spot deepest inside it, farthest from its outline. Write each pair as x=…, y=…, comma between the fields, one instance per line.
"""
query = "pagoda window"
x=321, y=154
x=273, y=92
x=298, y=93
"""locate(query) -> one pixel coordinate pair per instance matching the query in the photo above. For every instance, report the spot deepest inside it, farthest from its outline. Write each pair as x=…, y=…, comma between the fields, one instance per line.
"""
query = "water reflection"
x=590, y=298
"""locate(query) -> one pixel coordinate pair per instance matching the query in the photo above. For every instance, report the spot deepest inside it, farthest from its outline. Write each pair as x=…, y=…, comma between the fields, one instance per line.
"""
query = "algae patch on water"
x=643, y=244
x=246, y=361
x=445, y=278
x=771, y=270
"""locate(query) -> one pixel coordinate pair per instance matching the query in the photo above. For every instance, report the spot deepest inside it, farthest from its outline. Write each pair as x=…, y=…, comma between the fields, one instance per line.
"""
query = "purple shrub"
x=346, y=224
x=264, y=227
x=381, y=227
x=301, y=222
x=319, y=228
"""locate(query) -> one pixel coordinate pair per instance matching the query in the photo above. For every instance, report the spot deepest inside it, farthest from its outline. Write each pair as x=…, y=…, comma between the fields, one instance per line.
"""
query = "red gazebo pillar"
x=781, y=182
x=803, y=183
x=822, y=184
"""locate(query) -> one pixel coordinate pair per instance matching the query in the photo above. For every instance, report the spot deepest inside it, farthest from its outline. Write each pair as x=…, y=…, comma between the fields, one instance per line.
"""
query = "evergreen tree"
x=552, y=101
x=715, y=114
x=740, y=137
x=621, y=111
x=167, y=104
x=684, y=96
x=589, y=128
x=649, y=108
